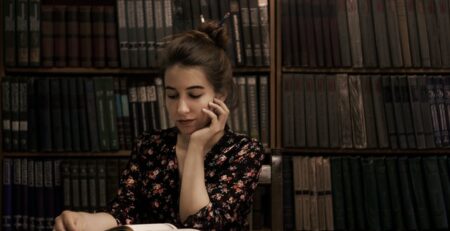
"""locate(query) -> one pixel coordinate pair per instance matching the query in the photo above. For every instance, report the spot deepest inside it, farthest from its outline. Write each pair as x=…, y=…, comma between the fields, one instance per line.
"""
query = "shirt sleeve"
x=231, y=197
x=125, y=206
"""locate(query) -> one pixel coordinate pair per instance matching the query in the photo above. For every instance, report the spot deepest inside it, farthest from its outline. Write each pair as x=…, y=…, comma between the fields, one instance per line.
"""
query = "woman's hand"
x=207, y=136
x=70, y=221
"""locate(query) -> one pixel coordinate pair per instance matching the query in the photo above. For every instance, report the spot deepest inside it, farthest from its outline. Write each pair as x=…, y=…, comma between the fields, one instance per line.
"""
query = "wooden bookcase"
x=278, y=150
x=91, y=71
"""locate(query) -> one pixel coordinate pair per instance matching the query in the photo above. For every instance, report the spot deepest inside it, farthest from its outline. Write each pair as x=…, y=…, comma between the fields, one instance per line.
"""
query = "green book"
x=409, y=213
x=393, y=188
x=337, y=190
x=370, y=193
x=419, y=194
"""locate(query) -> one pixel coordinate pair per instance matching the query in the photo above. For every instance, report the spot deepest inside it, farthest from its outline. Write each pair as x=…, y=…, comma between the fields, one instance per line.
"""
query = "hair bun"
x=216, y=32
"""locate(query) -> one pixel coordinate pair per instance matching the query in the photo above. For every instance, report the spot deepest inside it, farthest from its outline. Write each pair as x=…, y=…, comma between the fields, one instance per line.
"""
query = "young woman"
x=198, y=174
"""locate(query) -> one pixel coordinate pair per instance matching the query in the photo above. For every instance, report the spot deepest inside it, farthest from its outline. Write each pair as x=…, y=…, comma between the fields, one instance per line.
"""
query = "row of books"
x=307, y=198
x=366, y=111
x=106, y=113
x=366, y=192
x=38, y=34
x=74, y=184
x=369, y=33
x=87, y=184
x=144, y=25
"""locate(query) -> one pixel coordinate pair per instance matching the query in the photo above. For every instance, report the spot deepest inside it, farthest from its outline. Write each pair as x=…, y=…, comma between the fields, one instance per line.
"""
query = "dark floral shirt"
x=150, y=186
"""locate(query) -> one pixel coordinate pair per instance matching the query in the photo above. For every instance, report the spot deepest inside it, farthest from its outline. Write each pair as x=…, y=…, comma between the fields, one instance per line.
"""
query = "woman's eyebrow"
x=195, y=87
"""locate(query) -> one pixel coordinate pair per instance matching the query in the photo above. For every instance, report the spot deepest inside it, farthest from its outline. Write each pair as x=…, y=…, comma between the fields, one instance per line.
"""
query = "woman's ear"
x=221, y=96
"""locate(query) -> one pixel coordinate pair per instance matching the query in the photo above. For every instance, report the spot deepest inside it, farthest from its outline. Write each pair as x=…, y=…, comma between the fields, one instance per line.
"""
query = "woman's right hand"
x=70, y=221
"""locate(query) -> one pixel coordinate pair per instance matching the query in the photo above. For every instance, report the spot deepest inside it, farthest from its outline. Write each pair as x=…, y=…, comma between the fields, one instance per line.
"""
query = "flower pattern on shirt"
x=150, y=186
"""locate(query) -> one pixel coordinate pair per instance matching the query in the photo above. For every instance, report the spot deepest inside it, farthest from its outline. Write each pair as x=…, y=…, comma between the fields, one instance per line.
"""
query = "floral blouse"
x=150, y=186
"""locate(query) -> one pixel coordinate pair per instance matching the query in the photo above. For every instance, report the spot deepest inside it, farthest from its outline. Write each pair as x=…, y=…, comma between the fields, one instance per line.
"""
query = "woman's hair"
x=205, y=48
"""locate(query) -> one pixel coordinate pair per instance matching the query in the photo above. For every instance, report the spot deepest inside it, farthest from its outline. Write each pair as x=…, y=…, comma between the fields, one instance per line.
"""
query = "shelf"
x=109, y=71
x=366, y=70
x=329, y=151
x=121, y=153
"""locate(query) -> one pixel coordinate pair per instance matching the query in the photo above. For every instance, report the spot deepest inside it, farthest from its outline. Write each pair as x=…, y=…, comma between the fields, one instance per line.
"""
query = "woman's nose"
x=182, y=107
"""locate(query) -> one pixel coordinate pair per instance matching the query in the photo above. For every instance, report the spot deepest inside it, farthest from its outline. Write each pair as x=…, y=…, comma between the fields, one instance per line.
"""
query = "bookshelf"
x=70, y=72
x=297, y=33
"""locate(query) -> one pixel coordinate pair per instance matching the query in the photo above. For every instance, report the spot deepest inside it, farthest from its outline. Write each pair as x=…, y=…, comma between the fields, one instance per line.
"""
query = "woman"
x=198, y=174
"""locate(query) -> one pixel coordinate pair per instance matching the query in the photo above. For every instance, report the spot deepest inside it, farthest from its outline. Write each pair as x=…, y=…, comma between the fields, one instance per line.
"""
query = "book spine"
x=359, y=189
x=386, y=203
x=22, y=20
x=35, y=32
x=440, y=107
x=299, y=111
x=394, y=34
x=73, y=36
x=344, y=35
x=413, y=32
x=394, y=184
x=111, y=115
x=337, y=190
x=433, y=33
x=369, y=114
x=426, y=112
x=91, y=109
x=345, y=125
x=161, y=103
x=31, y=195
x=264, y=109
x=100, y=97
x=49, y=192
x=263, y=8
x=332, y=103
x=140, y=33
x=45, y=129
x=132, y=33
x=47, y=49
x=111, y=37
x=398, y=114
x=15, y=107
x=6, y=114
x=150, y=32
x=381, y=32
x=56, y=115
x=98, y=36
x=126, y=112
x=237, y=33
x=414, y=98
x=119, y=113
x=92, y=184
x=23, y=115
x=367, y=34
x=74, y=114
x=243, y=105
x=354, y=33
x=406, y=111
x=423, y=35
x=431, y=93
x=82, y=115
x=310, y=111
x=40, y=195
x=407, y=49
x=59, y=36
x=123, y=33
x=321, y=110
x=252, y=107
x=86, y=45
x=150, y=91
x=10, y=55
x=247, y=33
x=7, y=195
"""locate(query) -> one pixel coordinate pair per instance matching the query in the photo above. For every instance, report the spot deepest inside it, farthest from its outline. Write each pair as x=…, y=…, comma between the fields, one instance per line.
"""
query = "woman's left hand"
x=218, y=113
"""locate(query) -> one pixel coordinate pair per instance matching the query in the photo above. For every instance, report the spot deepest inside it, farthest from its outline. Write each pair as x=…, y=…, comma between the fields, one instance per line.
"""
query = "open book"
x=147, y=227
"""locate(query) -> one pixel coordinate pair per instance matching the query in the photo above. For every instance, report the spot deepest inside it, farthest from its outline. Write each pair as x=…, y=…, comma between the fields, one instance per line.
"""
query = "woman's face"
x=188, y=91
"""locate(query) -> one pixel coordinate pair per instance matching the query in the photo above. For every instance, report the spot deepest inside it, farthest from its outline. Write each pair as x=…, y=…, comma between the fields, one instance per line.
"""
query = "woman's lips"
x=185, y=122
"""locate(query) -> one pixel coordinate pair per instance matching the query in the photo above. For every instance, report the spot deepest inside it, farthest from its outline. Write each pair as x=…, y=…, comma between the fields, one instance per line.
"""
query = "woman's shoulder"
x=156, y=137
x=246, y=144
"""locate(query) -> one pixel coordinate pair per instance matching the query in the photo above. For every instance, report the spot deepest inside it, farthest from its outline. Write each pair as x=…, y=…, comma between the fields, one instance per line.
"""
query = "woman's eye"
x=172, y=96
x=195, y=96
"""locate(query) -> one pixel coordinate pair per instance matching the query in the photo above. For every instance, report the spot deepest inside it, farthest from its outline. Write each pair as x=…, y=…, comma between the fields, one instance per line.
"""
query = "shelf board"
x=326, y=70
x=120, y=153
x=110, y=71
x=332, y=151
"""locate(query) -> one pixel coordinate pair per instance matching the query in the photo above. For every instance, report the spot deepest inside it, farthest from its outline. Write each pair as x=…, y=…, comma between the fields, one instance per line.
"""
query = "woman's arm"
x=82, y=221
x=193, y=195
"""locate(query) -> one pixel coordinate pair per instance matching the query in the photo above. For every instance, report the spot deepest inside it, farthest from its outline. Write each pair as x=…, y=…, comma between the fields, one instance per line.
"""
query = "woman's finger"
x=222, y=104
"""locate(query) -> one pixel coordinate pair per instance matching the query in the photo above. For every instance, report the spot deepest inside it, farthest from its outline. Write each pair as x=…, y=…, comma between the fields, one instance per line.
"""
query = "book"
x=147, y=227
